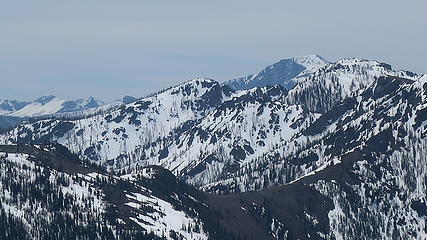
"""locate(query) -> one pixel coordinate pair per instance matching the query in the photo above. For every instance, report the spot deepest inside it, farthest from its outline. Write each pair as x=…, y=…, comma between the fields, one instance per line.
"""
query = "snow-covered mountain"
x=341, y=151
x=47, y=105
x=320, y=91
x=147, y=123
x=286, y=72
x=203, y=131
x=372, y=149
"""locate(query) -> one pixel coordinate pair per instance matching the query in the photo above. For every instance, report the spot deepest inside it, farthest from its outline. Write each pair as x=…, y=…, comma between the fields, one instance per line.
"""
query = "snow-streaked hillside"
x=387, y=116
x=143, y=123
x=46, y=188
x=199, y=130
x=241, y=129
x=319, y=91
x=286, y=72
x=364, y=159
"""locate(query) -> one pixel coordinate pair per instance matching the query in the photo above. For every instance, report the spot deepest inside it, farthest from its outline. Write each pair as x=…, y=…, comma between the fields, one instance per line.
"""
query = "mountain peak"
x=200, y=80
x=91, y=102
x=128, y=99
x=44, y=99
x=283, y=72
x=310, y=61
x=202, y=84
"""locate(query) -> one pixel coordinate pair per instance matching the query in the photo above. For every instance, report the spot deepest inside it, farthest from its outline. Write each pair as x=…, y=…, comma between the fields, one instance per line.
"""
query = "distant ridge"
x=285, y=72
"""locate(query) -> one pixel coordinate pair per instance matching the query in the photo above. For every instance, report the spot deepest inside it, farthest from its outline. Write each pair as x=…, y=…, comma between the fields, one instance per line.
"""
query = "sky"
x=109, y=48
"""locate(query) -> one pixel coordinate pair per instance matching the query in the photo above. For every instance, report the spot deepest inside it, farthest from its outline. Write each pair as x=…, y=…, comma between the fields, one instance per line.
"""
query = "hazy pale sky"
x=110, y=48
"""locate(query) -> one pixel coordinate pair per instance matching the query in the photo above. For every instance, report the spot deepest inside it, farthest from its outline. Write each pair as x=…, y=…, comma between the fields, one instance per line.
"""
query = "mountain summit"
x=285, y=72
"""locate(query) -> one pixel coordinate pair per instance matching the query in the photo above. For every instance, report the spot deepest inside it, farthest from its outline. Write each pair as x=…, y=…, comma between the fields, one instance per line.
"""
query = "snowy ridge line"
x=175, y=86
x=47, y=105
x=78, y=115
x=91, y=112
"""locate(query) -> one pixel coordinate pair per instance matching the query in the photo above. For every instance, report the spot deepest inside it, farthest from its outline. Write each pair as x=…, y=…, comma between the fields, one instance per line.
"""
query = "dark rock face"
x=61, y=128
x=238, y=153
x=91, y=153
